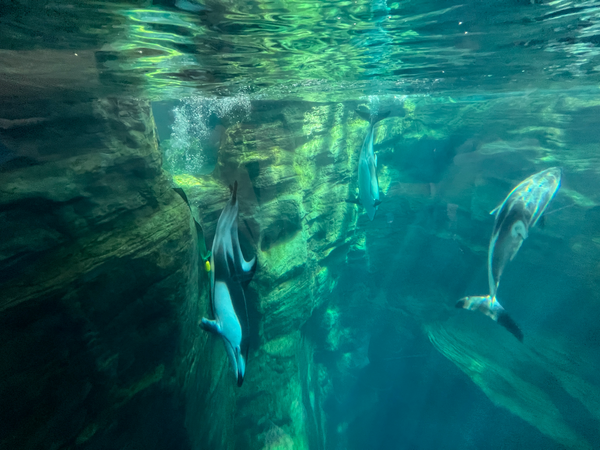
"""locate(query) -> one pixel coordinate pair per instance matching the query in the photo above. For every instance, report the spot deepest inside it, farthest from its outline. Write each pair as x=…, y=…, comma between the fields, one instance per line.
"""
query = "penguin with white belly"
x=514, y=217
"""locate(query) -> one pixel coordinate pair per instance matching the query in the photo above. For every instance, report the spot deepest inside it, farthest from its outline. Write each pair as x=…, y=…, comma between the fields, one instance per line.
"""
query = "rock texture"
x=295, y=164
x=329, y=281
x=98, y=281
x=101, y=292
x=450, y=173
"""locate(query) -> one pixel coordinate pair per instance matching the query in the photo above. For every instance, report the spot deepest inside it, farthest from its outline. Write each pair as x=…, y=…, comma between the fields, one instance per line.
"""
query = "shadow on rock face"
x=281, y=223
x=425, y=160
x=278, y=232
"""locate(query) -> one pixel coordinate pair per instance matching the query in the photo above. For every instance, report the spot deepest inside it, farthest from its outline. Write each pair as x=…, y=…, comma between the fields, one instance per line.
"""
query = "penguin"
x=513, y=218
x=368, y=185
x=229, y=275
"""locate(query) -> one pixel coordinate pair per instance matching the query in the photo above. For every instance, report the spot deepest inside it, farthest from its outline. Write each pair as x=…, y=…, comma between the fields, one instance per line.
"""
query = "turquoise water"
x=150, y=150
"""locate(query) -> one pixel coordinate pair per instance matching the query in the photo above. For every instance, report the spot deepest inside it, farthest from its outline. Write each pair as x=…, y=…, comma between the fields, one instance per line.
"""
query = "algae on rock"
x=327, y=271
x=98, y=263
x=295, y=163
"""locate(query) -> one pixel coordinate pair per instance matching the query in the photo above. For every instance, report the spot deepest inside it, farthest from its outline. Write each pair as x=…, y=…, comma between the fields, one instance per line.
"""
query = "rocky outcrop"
x=101, y=293
x=329, y=281
x=98, y=281
x=295, y=163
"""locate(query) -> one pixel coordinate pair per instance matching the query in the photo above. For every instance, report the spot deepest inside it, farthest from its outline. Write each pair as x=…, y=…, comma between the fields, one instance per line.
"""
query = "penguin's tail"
x=492, y=308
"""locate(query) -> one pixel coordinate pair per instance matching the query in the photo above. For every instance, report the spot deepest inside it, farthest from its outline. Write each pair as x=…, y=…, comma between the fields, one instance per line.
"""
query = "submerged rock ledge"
x=97, y=270
x=101, y=298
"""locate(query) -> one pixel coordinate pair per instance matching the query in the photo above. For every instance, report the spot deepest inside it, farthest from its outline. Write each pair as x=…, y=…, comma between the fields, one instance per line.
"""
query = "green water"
x=353, y=337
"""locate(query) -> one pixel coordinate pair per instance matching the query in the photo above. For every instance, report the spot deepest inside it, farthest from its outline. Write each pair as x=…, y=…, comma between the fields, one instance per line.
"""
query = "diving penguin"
x=368, y=185
x=229, y=274
x=514, y=217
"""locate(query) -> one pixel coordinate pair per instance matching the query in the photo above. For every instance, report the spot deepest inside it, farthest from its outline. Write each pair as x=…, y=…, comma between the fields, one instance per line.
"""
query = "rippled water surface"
x=317, y=50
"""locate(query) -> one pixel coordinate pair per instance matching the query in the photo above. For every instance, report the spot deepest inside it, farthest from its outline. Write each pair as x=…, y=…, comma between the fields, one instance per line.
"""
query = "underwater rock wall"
x=427, y=247
x=329, y=280
x=295, y=163
x=101, y=296
x=97, y=279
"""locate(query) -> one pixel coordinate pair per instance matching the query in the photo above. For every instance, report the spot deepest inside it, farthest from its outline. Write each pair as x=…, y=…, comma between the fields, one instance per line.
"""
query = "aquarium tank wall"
x=290, y=225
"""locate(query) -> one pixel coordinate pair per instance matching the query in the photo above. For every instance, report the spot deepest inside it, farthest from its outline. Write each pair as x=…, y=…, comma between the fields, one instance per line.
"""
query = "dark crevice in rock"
x=279, y=232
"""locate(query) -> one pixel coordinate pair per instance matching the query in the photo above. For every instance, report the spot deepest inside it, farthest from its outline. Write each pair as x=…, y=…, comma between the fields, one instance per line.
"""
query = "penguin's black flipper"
x=182, y=194
x=356, y=201
x=198, y=228
x=507, y=322
x=185, y=199
x=372, y=119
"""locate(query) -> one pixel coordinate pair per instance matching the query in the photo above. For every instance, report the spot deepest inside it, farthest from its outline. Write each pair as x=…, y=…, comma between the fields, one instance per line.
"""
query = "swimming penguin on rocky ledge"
x=519, y=212
x=368, y=185
x=229, y=274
